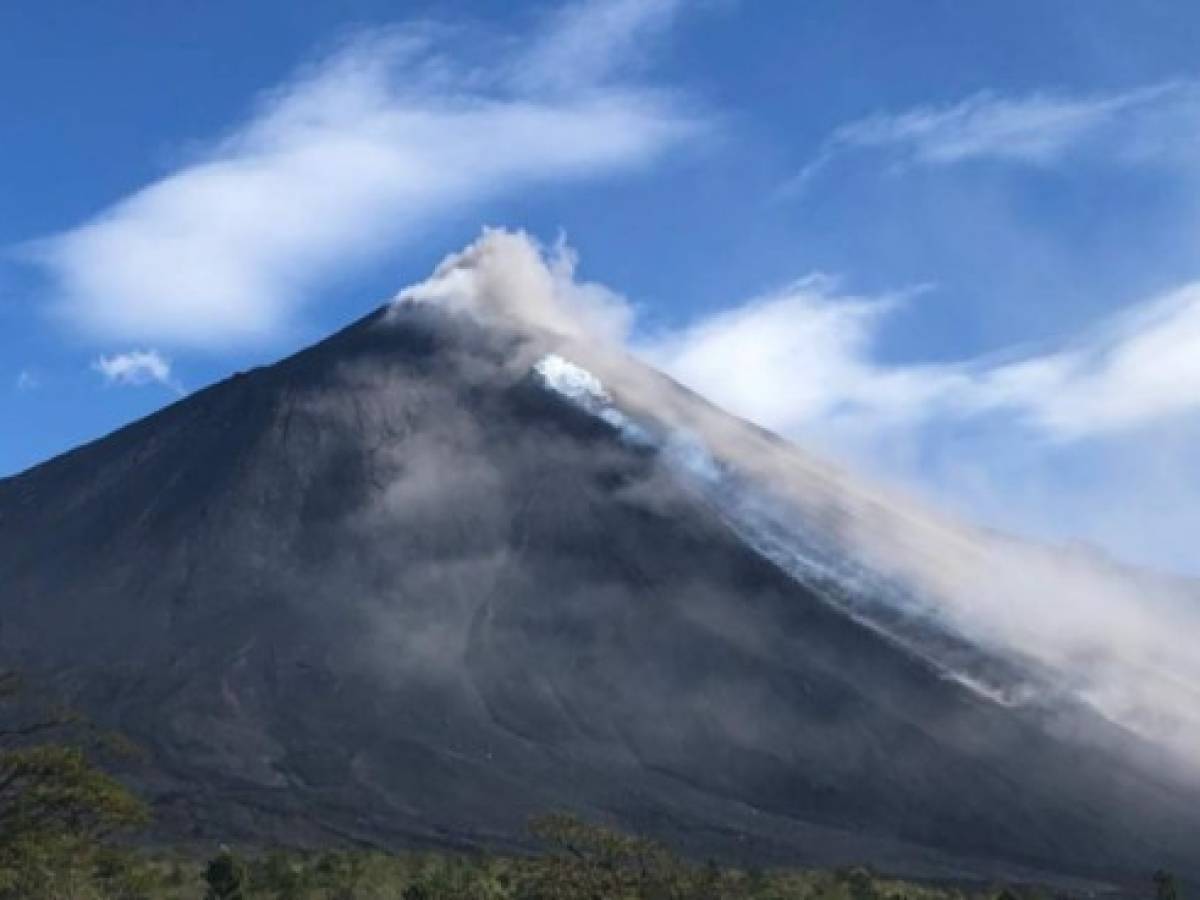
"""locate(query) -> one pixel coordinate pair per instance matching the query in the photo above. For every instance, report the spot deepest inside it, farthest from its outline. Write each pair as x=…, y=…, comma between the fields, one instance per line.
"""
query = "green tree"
x=53, y=789
x=588, y=861
x=56, y=807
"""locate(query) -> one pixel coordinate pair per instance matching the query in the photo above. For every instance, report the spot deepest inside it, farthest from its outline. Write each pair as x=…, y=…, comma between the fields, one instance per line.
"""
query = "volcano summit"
x=462, y=563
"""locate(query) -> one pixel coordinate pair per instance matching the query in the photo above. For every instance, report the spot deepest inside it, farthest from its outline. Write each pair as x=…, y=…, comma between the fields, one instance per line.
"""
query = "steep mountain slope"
x=405, y=587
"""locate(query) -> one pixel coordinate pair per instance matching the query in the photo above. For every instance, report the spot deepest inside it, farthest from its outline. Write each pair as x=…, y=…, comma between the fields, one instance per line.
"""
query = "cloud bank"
x=1088, y=441
x=347, y=161
x=804, y=358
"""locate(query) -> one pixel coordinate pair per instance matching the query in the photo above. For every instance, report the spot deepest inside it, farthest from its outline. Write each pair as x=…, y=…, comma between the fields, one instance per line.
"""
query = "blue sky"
x=952, y=244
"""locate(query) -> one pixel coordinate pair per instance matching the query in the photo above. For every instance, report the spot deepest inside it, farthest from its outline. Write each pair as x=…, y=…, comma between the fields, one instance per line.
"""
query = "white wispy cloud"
x=27, y=381
x=589, y=42
x=1160, y=121
x=804, y=360
x=346, y=161
x=791, y=358
x=136, y=368
x=1140, y=367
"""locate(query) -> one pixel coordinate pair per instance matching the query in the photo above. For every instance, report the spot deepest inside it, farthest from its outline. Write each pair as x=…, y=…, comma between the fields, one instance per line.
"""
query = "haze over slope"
x=1105, y=634
x=467, y=560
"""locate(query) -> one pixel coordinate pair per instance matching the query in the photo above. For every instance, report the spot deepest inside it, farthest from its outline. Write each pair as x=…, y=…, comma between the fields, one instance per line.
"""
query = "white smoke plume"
x=508, y=274
x=1114, y=638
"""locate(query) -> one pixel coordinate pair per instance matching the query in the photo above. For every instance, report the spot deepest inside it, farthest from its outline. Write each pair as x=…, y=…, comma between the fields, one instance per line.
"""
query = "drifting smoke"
x=1074, y=626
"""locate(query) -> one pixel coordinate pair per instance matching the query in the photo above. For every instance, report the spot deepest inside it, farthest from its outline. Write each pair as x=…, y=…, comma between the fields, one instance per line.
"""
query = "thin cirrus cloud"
x=347, y=160
x=1136, y=369
x=1156, y=123
x=588, y=40
x=136, y=368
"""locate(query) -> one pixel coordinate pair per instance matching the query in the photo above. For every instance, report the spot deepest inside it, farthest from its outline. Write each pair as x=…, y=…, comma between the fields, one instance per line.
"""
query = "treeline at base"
x=580, y=862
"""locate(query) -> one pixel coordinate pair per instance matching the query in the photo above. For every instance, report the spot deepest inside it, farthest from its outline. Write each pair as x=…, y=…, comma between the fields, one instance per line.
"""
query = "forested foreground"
x=580, y=862
x=68, y=831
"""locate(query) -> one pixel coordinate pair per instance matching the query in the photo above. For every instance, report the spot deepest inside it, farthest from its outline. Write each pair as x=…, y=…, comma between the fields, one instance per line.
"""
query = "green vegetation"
x=62, y=818
x=57, y=809
x=611, y=867
x=580, y=862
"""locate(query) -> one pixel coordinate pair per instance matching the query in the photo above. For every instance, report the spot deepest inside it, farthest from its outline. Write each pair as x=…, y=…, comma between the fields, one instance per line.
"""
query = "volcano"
x=445, y=570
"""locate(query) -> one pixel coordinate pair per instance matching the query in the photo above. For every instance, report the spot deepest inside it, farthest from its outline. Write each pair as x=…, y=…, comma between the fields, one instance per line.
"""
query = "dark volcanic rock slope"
x=393, y=590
